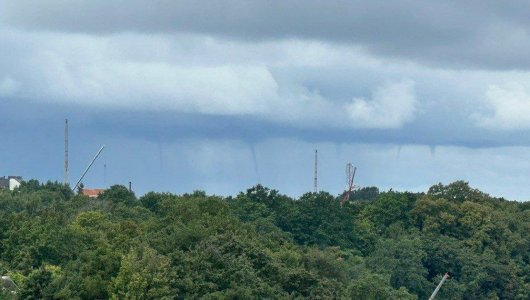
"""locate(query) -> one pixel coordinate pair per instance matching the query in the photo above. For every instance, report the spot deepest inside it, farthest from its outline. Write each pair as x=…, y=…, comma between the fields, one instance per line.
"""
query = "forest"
x=261, y=244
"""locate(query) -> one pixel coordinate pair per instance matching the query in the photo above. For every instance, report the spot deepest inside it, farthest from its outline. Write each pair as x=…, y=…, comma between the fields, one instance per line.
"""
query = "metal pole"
x=446, y=275
x=88, y=168
x=66, y=152
x=315, y=185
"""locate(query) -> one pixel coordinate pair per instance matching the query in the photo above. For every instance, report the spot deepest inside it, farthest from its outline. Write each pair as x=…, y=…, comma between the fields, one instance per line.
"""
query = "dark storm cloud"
x=471, y=34
x=37, y=119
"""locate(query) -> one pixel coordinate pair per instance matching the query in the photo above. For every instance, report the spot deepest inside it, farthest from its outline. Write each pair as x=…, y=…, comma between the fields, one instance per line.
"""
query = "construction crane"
x=444, y=278
x=88, y=168
x=350, y=175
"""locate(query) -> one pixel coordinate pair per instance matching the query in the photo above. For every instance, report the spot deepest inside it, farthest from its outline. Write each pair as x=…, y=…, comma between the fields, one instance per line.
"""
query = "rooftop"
x=92, y=193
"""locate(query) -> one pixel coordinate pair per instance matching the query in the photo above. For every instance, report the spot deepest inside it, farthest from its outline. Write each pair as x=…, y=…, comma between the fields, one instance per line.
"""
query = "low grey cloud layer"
x=105, y=72
x=484, y=34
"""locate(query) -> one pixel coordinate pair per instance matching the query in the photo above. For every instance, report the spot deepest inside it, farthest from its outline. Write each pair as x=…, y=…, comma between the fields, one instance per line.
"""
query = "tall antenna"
x=315, y=183
x=66, y=152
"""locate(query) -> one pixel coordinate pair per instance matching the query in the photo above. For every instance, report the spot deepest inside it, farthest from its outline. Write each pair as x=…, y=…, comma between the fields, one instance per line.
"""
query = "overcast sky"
x=221, y=95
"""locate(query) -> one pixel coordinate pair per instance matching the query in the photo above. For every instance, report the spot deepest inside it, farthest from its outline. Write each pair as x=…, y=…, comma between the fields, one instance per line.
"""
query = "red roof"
x=92, y=193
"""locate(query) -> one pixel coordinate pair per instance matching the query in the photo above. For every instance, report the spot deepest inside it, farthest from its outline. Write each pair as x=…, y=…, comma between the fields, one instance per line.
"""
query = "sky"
x=222, y=95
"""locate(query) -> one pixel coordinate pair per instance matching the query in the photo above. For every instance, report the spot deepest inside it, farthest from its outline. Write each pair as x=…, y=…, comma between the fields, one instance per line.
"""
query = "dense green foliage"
x=263, y=245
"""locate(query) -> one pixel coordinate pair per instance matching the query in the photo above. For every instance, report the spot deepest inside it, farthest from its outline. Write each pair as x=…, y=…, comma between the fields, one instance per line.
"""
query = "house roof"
x=92, y=192
x=4, y=183
x=7, y=283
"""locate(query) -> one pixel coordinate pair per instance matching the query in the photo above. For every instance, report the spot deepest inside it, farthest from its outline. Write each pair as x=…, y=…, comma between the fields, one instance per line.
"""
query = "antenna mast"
x=315, y=183
x=66, y=152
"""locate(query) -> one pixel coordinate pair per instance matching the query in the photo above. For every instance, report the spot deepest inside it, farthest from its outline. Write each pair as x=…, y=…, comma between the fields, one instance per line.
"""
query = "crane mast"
x=444, y=278
x=88, y=168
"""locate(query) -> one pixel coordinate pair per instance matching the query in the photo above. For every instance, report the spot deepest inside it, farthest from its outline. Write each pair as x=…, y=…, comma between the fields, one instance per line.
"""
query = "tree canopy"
x=261, y=244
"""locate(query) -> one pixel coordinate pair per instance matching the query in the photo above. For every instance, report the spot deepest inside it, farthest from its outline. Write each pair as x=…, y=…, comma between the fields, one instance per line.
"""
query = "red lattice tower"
x=350, y=176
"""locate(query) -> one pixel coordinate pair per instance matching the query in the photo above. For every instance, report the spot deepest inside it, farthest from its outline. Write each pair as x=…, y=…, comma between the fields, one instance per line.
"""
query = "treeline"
x=263, y=245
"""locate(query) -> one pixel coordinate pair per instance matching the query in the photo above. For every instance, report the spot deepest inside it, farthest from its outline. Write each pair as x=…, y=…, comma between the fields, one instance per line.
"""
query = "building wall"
x=13, y=184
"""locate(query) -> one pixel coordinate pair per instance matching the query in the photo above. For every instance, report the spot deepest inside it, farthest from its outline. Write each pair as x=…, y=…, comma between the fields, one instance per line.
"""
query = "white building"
x=13, y=183
x=8, y=284
x=10, y=182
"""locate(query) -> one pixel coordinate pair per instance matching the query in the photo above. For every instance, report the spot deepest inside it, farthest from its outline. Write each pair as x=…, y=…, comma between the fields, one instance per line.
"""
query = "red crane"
x=350, y=175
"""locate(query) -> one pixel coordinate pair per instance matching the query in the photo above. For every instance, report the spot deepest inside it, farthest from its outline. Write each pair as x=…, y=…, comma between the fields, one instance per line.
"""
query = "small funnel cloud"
x=398, y=154
x=338, y=149
x=433, y=150
x=105, y=170
x=255, y=161
x=160, y=157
